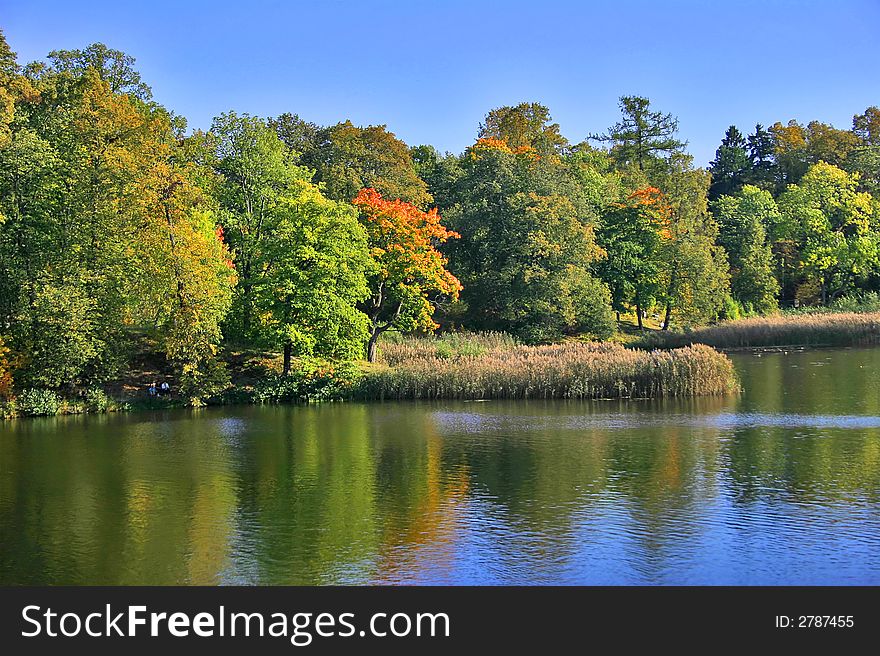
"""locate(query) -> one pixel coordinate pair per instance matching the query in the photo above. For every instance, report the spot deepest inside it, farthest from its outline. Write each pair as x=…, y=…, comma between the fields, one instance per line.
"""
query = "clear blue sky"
x=430, y=70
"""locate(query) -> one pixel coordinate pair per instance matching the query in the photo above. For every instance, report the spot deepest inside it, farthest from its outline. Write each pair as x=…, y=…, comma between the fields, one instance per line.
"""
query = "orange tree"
x=410, y=271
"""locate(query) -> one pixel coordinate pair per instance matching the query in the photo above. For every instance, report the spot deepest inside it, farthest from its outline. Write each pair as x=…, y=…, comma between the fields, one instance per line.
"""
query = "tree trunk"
x=618, y=318
x=372, y=344
x=639, y=315
x=668, y=316
x=288, y=348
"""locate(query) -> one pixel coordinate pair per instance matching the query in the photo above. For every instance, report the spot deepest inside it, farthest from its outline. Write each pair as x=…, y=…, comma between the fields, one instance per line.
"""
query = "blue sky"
x=431, y=70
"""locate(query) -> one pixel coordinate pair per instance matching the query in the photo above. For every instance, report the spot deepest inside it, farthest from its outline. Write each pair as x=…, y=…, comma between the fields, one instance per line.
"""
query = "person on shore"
x=165, y=389
x=152, y=389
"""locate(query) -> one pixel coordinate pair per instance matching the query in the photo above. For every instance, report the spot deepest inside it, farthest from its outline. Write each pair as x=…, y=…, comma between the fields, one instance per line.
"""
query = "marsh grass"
x=400, y=349
x=840, y=329
x=413, y=369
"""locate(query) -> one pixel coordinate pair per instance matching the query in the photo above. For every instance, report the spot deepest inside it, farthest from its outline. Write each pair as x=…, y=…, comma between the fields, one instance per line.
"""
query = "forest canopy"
x=121, y=231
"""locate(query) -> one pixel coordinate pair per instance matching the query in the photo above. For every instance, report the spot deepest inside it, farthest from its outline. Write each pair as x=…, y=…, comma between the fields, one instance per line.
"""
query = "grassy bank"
x=423, y=369
x=841, y=329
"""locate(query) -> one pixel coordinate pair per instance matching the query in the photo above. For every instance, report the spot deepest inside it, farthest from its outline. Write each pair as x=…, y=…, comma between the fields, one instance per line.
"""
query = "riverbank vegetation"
x=120, y=228
x=433, y=369
x=807, y=329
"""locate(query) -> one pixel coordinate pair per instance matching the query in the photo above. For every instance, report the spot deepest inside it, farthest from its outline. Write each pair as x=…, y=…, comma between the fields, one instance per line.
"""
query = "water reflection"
x=778, y=485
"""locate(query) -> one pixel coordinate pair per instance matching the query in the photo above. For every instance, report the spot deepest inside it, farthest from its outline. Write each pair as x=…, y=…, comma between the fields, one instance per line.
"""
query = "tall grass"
x=571, y=370
x=400, y=349
x=842, y=329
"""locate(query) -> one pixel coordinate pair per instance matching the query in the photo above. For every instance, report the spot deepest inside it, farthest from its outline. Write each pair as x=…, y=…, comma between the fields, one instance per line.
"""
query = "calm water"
x=780, y=486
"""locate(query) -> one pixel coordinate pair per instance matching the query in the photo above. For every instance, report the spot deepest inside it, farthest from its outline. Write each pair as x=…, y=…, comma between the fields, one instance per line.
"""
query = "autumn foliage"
x=652, y=201
x=403, y=242
x=491, y=143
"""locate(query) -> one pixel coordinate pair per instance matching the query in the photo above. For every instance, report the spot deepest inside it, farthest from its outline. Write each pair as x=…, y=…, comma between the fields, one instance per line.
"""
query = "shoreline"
x=242, y=396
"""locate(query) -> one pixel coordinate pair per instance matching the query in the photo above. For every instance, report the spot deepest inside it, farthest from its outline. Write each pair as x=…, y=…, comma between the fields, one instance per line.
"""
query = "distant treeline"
x=119, y=226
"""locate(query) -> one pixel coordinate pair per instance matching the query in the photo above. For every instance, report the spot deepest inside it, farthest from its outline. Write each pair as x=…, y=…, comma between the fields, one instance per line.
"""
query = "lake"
x=780, y=485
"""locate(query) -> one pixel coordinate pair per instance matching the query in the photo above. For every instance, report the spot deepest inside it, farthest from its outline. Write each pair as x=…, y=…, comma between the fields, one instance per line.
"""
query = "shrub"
x=310, y=380
x=98, y=401
x=38, y=402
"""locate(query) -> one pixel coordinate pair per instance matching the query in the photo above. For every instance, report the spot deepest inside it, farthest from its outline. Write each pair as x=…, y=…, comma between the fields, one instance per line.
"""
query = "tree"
x=348, y=158
x=866, y=126
x=825, y=143
x=190, y=276
x=301, y=258
x=693, y=276
x=797, y=148
x=790, y=151
x=731, y=166
x=744, y=219
x=835, y=228
x=642, y=136
x=299, y=135
x=524, y=126
x=632, y=234
x=865, y=159
x=313, y=277
x=113, y=67
x=409, y=269
x=762, y=162
x=527, y=245
x=106, y=233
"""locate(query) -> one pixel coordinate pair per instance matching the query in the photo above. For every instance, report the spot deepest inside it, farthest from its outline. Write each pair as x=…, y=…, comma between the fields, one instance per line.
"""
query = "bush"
x=98, y=401
x=38, y=402
x=310, y=380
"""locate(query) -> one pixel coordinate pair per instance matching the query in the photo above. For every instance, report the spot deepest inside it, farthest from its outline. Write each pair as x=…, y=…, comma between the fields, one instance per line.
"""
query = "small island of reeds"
x=493, y=366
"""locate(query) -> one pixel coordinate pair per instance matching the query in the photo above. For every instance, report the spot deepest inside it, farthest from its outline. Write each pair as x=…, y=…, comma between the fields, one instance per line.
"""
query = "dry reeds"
x=572, y=370
x=843, y=329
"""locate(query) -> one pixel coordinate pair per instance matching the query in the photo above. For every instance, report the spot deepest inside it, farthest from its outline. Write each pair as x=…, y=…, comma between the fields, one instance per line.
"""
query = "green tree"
x=762, y=162
x=866, y=126
x=865, y=159
x=299, y=135
x=835, y=228
x=313, y=277
x=527, y=246
x=642, y=136
x=731, y=166
x=113, y=67
x=744, y=219
x=694, y=270
x=632, y=234
x=301, y=258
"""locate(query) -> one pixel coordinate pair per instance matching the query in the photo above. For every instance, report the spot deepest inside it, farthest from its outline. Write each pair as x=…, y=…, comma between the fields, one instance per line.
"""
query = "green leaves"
x=301, y=258
x=835, y=227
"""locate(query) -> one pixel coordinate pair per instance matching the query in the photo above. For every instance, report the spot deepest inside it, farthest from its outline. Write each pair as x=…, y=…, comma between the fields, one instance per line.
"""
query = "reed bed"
x=401, y=349
x=574, y=370
x=843, y=329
